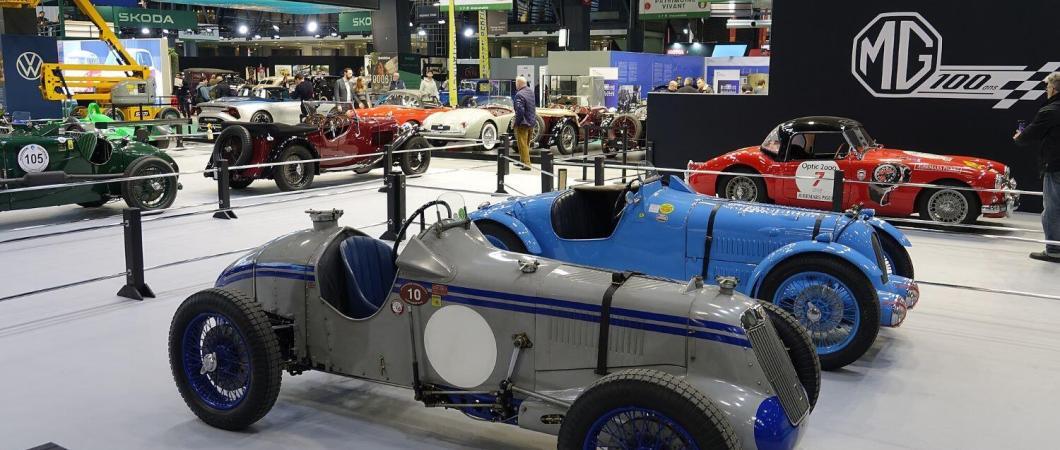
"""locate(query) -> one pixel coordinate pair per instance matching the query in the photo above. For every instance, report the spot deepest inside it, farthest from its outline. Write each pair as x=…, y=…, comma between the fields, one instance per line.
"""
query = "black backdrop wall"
x=238, y=64
x=812, y=72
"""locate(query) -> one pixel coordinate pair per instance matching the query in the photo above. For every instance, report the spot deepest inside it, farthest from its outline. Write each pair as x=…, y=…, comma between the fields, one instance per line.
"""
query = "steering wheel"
x=620, y=203
x=421, y=214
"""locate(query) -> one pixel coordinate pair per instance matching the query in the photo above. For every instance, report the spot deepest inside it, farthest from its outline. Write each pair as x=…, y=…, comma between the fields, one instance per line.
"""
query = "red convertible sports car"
x=800, y=156
x=405, y=106
x=329, y=130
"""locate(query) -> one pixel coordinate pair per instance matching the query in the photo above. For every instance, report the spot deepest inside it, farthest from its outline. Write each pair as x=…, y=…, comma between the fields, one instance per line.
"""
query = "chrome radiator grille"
x=776, y=364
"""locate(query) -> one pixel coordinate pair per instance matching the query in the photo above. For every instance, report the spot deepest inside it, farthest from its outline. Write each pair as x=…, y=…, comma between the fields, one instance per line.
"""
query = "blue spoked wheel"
x=500, y=236
x=644, y=409
x=225, y=358
x=832, y=299
x=631, y=427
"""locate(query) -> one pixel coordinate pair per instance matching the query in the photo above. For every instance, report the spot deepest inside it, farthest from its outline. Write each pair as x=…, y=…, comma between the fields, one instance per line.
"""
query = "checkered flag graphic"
x=1031, y=88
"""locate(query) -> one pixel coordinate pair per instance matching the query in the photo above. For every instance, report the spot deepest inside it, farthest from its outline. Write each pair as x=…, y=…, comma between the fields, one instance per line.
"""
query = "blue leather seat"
x=369, y=274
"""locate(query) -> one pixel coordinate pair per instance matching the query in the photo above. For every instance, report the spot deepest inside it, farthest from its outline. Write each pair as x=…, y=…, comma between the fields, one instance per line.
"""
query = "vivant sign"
x=899, y=54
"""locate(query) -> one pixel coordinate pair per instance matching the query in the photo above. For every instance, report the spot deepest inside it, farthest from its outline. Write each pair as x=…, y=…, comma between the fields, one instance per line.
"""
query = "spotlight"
x=441, y=21
x=421, y=32
x=468, y=32
x=316, y=36
x=257, y=36
x=410, y=24
x=311, y=26
x=145, y=31
x=275, y=36
x=165, y=31
x=686, y=30
x=243, y=29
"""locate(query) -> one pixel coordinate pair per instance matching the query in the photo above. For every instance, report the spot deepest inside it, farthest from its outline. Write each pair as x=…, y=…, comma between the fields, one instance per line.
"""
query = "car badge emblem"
x=862, y=174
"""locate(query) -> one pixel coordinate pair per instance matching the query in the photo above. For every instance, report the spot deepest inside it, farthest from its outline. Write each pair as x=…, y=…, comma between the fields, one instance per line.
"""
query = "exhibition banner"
x=479, y=5
x=483, y=46
x=355, y=22
x=21, y=73
x=153, y=18
x=673, y=9
x=640, y=73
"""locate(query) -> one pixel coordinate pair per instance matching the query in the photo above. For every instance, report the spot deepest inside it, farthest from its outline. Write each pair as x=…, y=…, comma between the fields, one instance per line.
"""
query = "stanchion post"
x=649, y=152
x=395, y=205
x=224, y=191
x=585, y=155
x=502, y=164
x=180, y=135
x=598, y=170
x=837, y=191
x=388, y=165
x=625, y=155
x=135, y=288
x=546, y=171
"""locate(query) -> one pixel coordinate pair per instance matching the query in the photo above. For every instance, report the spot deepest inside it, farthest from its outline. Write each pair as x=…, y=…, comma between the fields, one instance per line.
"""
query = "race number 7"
x=820, y=176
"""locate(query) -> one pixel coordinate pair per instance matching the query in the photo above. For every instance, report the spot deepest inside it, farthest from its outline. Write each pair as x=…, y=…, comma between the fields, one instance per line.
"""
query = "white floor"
x=88, y=370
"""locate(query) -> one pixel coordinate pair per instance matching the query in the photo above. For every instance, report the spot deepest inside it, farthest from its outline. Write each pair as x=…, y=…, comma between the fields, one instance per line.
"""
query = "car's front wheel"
x=294, y=176
x=149, y=193
x=261, y=117
x=225, y=358
x=742, y=186
x=832, y=299
x=567, y=138
x=950, y=206
x=896, y=256
x=415, y=163
x=800, y=348
x=644, y=408
x=489, y=136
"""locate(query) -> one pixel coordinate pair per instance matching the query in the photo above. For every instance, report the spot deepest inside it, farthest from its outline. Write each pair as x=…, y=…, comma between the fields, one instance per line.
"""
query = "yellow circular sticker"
x=666, y=208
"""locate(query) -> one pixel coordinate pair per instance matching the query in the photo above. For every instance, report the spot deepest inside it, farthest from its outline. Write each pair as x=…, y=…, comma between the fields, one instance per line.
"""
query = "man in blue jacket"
x=525, y=120
x=1044, y=132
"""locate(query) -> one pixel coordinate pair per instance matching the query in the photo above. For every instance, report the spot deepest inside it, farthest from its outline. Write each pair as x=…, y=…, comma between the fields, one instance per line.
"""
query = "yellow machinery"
x=127, y=86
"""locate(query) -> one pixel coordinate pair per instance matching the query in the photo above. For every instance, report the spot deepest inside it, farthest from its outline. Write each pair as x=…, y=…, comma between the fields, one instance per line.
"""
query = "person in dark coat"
x=525, y=119
x=303, y=89
x=1044, y=132
x=688, y=88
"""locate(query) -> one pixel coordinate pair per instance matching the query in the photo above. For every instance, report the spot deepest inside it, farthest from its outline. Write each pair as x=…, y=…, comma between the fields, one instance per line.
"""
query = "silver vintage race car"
x=257, y=105
x=603, y=359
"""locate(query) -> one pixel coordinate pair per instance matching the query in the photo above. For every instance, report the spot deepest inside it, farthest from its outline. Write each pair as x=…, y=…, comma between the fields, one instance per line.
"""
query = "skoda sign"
x=899, y=54
x=155, y=18
x=355, y=22
x=29, y=65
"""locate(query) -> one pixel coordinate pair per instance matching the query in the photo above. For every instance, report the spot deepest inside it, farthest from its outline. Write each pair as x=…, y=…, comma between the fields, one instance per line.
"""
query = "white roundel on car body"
x=33, y=158
x=814, y=180
x=460, y=346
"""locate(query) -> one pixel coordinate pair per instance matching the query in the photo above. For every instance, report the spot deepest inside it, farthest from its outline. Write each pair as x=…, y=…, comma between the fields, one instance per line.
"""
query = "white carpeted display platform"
x=88, y=370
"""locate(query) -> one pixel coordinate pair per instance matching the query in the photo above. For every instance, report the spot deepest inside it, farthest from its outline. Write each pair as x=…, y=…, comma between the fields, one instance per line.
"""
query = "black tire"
x=235, y=145
x=264, y=357
x=502, y=234
x=415, y=163
x=667, y=395
x=116, y=114
x=294, y=177
x=239, y=183
x=972, y=206
x=261, y=117
x=627, y=122
x=491, y=127
x=152, y=193
x=567, y=132
x=858, y=285
x=744, y=186
x=800, y=348
x=95, y=204
x=169, y=114
x=76, y=127
x=897, y=256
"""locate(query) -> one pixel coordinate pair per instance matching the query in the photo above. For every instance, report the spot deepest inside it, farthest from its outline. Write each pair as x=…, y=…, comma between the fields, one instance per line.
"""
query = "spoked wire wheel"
x=637, y=428
x=824, y=305
x=216, y=361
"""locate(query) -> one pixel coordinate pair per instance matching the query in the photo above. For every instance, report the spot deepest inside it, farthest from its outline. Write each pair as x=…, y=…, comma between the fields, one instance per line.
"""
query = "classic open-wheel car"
x=57, y=152
x=600, y=358
x=330, y=130
x=799, y=150
x=842, y=275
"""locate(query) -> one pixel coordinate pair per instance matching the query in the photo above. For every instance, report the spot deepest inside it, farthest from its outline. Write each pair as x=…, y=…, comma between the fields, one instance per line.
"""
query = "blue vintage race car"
x=842, y=275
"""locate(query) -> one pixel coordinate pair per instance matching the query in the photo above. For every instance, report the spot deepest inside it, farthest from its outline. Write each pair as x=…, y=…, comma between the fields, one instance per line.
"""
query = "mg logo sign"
x=899, y=54
x=28, y=65
x=895, y=53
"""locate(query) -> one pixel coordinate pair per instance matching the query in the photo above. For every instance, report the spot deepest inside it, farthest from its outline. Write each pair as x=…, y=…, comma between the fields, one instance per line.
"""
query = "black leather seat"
x=370, y=273
x=587, y=212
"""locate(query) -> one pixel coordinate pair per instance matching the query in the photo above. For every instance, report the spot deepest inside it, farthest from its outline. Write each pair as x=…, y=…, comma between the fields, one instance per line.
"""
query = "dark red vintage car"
x=797, y=161
x=329, y=130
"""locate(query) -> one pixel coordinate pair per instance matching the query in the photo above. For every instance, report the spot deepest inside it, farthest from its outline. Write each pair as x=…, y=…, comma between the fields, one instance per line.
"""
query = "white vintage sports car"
x=485, y=121
x=258, y=105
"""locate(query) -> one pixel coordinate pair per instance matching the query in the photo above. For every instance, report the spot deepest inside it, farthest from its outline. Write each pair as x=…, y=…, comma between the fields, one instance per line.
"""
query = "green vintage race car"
x=49, y=153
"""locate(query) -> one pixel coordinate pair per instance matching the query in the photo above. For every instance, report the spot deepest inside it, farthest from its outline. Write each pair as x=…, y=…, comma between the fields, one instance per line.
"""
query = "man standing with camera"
x=1044, y=131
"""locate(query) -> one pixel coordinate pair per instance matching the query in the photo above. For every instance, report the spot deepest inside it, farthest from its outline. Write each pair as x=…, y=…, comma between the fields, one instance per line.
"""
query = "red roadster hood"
x=912, y=158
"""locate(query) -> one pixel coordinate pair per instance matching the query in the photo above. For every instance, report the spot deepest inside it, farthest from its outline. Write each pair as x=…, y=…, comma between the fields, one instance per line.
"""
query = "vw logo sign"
x=895, y=53
x=29, y=65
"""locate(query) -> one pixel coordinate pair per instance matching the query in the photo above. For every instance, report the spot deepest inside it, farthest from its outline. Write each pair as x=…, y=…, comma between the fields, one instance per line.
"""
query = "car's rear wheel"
x=116, y=114
x=742, y=185
x=225, y=358
x=150, y=193
x=415, y=163
x=949, y=206
x=489, y=136
x=567, y=138
x=644, y=408
x=500, y=236
x=261, y=117
x=240, y=182
x=235, y=145
x=627, y=123
x=832, y=299
x=294, y=177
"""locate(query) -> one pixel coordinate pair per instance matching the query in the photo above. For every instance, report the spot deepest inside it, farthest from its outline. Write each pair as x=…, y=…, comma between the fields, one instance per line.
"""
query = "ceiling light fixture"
x=243, y=29
x=468, y=32
x=145, y=31
x=312, y=26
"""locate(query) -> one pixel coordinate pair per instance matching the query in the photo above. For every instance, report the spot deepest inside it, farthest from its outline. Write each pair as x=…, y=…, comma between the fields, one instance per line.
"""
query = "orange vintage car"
x=405, y=106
